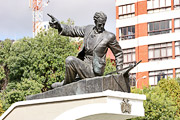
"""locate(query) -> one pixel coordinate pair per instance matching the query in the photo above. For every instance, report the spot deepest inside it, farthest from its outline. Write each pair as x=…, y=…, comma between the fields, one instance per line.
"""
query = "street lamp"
x=140, y=79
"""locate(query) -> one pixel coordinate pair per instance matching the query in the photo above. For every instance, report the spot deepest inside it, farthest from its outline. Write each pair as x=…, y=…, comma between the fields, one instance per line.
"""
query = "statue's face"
x=100, y=26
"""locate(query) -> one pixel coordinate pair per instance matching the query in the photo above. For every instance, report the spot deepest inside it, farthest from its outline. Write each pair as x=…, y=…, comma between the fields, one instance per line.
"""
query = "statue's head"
x=100, y=20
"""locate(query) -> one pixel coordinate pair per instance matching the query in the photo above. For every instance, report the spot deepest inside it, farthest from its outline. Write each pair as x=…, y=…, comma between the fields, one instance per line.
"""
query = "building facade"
x=149, y=30
x=42, y=26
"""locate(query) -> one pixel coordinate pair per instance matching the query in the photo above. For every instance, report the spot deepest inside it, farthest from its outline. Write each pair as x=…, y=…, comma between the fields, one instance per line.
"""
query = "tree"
x=2, y=76
x=17, y=91
x=41, y=59
x=5, y=48
x=1, y=109
x=33, y=64
x=162, y=101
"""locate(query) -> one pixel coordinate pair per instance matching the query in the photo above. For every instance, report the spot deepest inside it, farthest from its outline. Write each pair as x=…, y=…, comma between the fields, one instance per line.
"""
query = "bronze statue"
x=91, y=60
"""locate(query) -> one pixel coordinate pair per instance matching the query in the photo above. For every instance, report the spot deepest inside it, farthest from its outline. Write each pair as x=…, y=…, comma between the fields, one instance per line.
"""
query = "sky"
x=16, y=16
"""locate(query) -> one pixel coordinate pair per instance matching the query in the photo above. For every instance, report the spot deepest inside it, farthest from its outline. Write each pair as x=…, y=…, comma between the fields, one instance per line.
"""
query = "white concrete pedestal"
x=107, y=105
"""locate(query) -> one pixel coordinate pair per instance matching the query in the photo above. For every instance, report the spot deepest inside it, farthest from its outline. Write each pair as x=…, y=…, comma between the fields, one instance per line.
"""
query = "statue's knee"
x=69, y=59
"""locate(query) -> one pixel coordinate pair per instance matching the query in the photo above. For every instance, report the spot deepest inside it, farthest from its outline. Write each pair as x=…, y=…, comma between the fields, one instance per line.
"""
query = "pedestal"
x=106, y=105
x=88, y=85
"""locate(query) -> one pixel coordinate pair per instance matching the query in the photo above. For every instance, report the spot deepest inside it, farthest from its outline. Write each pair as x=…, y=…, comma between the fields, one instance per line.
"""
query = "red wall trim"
x=140, y=8
x=141, y=30
x=174, y=72
x=117, y=12
x=173, y=50
x=140, y=81
x=117, y=34
x=172, y=4
x=172, y=25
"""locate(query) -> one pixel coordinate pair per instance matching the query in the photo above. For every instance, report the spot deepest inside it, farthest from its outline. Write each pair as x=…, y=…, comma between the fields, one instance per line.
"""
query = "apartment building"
x=149, y=30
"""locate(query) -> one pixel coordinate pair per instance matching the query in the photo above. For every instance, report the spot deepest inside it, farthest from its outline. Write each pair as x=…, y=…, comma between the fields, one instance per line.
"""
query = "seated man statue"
x=91, y=60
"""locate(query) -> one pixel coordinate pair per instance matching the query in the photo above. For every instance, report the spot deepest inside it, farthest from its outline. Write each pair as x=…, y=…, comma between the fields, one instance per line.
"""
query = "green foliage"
x=2, y=74
x=12, y=97
x=162, y=101
x=1, y=109
x=172, y=88
x=178, y=80
x=31, y=65
x=17, y=91
x=68, y=22
x=5, y=48
x=110, y=66
x=41, y=59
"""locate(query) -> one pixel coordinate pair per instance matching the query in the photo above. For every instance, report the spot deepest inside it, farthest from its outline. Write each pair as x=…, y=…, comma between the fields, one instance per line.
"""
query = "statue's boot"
x=57, y=84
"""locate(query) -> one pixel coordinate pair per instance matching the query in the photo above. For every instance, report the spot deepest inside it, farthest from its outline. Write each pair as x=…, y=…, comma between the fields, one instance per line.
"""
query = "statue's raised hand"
x=54, y=23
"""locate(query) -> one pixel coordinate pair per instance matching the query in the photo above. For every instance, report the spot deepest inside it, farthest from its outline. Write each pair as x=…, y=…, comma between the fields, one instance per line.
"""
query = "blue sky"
x=16, y=16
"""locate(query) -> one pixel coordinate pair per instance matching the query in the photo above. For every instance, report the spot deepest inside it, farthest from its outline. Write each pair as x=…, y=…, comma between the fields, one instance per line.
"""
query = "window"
x=129, y=56
x=177, y=25
x=160, y=27
x=176, y=4
x=177, y=49
x=132, y=79
x=126, y=11
x=161, y=51
x=158, y=5
x=156, y=76
x=127, y=33
x=177, y=72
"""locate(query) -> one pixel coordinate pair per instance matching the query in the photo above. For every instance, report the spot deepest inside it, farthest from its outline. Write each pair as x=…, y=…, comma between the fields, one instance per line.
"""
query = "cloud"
x=16, y=16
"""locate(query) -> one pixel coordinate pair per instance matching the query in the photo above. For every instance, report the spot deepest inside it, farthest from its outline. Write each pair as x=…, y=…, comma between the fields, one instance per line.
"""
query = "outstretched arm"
x=66, y=30
x=72, y=31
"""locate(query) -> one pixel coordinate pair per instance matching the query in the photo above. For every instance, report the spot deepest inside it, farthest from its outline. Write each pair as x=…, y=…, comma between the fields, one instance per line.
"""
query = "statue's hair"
x=100, y=16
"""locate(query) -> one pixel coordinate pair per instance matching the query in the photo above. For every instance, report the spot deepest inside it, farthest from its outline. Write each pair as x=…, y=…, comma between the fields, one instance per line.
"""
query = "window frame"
x=175, y=49
x=130, y=51
x=177, y=73
x=176, y=28
x=132, y=12
x=164, y=71
x=159, y=6
x=132, y=79
x=160, y=50
x=177, y=5
x=160, y=30
x=127, y=36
